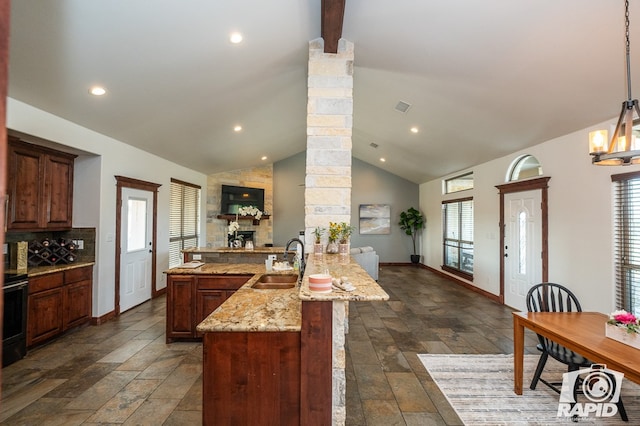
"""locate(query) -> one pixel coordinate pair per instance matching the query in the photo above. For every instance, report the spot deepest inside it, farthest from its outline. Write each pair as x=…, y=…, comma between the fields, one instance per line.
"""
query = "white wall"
x=95, y=188
x=580, y=219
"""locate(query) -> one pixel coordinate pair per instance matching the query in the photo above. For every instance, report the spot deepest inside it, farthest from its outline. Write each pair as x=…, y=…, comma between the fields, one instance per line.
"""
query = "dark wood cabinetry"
x=39, y=187
x=191, y=298
x=252, y=378
x=58, y=302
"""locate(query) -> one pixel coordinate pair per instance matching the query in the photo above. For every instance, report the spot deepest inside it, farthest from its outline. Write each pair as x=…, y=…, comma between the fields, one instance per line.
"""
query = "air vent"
x=373, y=145
x=403, y=107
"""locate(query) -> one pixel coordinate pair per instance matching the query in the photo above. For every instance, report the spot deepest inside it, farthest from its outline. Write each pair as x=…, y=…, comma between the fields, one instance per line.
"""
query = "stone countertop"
x=367, y=289
x=34, y=271
x=265, y=250
x=250, y=309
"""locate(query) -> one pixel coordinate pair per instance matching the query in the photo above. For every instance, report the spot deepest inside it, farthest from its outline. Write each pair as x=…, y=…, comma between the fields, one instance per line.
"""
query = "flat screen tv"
x=234, y=197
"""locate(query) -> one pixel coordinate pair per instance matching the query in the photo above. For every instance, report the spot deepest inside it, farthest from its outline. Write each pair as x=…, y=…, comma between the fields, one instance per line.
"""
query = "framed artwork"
x=375, y=219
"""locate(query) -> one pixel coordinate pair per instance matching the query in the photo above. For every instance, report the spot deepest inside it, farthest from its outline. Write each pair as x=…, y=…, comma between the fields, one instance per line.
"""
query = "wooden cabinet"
x=191, y=298
x=252, y=378
x=39, y=187
x=58, y=302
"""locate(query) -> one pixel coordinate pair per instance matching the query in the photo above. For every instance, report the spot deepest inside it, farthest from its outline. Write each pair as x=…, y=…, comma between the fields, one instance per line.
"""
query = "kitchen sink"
x=275, y=281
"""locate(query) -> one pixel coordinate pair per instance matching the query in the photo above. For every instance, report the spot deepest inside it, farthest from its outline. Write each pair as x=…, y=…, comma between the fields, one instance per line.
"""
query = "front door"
x=136, y=247
x=523, y=246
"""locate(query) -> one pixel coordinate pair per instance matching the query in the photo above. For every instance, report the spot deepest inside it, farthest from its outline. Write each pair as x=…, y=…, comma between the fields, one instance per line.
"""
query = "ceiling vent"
x=402, y=107
x=373, y=145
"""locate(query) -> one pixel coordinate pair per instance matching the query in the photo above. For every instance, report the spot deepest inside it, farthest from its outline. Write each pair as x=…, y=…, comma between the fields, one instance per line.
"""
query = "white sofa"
x=368, y=259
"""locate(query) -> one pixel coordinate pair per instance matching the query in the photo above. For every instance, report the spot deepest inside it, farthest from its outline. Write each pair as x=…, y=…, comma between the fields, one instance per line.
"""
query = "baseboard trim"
x=104, y=318
x=464, y=284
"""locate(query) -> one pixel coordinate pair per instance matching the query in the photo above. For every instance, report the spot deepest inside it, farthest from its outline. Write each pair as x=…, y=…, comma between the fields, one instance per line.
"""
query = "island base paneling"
x=257, y=378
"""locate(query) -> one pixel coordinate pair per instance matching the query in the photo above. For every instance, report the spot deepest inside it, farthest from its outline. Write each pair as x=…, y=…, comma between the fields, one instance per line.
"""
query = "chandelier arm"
x=614, y=137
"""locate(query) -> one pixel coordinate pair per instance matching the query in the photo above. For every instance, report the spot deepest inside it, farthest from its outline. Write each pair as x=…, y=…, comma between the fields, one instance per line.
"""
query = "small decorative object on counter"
x=320, y=283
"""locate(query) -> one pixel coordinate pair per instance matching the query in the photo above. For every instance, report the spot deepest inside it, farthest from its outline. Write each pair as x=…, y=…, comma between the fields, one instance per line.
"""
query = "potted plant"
x=334, y=235
x=345, y=233
x=317, y=246
x=411, y=222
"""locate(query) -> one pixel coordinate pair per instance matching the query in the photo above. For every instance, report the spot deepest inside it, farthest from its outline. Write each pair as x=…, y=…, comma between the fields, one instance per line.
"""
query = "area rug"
x=480, y=389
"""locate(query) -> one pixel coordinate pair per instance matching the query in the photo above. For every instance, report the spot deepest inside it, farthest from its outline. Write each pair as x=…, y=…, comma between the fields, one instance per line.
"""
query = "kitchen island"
x=277, y=356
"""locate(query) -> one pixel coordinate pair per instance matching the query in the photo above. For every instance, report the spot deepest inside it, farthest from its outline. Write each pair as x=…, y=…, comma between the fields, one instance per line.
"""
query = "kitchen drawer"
x=222, y=282
x=78, y=274
x=46, y=282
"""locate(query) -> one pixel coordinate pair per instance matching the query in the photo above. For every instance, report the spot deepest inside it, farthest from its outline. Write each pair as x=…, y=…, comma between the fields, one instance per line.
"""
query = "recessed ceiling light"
x=382, y=159
x=235, y=38
x=414, y=130
x=97, y=91
x=264, y=157
x=237, y=128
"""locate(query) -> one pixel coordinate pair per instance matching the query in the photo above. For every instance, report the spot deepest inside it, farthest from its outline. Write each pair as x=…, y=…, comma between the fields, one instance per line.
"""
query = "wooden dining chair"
x=551, y=297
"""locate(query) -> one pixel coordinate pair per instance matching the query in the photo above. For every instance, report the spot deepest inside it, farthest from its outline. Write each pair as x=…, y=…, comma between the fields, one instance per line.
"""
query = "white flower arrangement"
x=250, y=211
x=233, y=227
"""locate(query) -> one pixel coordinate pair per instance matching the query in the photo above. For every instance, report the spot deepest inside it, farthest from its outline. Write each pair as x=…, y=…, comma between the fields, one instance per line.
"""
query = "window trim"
x=620, y=225
x=444, y=267
x=445, y=182
x=182, y=237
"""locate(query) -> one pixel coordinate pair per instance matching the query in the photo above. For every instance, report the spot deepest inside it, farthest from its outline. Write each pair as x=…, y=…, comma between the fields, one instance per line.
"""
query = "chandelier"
x=623, y=148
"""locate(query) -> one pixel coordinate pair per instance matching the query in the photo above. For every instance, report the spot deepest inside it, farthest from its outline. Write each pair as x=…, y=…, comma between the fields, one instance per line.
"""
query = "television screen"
x=234, y=197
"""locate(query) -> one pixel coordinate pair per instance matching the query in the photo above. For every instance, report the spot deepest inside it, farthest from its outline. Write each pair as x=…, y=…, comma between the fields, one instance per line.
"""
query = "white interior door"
x=523, y=246
x=136, y=246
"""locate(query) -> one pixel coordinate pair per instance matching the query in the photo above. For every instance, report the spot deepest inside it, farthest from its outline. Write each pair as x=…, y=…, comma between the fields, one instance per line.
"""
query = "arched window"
x=524, y=167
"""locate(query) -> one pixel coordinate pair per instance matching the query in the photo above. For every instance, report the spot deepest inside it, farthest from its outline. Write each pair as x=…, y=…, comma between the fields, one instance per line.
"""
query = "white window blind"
x=458, y=236
x=627, y=240
x=184, y=219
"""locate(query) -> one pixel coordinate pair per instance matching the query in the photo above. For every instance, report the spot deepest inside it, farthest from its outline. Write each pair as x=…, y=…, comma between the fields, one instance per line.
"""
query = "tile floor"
x=122, y=372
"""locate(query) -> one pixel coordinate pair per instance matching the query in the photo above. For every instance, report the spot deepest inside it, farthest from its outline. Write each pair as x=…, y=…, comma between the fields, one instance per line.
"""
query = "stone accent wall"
x=340, y=328
x=329, y=130
x=257, y=177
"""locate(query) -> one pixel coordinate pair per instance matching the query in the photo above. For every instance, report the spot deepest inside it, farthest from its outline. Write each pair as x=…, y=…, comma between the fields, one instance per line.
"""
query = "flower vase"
x=318, y=249
x=332, y=248
x=622, y=335
x=343, y=249
x=237, y=243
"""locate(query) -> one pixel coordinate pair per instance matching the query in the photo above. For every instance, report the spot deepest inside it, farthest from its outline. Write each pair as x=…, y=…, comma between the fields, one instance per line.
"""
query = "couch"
x=368, y=259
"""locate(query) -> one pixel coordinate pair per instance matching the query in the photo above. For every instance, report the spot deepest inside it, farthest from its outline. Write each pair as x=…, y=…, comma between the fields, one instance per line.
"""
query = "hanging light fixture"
x=620, y=149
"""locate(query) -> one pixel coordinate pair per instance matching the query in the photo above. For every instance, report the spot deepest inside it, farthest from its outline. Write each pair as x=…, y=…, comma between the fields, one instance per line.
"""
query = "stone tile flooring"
x=122, y=372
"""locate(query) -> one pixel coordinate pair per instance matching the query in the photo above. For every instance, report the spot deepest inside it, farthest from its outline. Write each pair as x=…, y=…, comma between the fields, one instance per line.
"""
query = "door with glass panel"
x=523, y=246
x=136, y=247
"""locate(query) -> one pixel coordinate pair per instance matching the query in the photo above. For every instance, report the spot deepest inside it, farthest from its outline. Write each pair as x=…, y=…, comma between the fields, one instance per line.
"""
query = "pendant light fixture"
x=623, y=148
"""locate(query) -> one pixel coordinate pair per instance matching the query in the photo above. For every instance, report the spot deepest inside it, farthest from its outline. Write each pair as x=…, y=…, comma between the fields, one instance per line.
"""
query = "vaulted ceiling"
x=483, y=78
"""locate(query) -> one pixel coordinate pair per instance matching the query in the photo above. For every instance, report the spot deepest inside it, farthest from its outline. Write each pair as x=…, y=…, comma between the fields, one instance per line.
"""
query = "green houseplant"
x=411, y=222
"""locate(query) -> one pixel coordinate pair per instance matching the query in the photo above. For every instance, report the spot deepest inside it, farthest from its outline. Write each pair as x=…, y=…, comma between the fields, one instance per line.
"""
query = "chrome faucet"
x=302, y=261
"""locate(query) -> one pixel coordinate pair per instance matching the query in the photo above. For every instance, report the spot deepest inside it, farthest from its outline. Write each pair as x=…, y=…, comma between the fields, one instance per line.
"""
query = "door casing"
x=542, y=184
x=122, y=182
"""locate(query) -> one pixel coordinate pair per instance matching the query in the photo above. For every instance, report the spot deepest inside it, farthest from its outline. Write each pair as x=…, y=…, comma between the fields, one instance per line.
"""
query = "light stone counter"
x=250, y=309
x=261, y=250
x=367, y=289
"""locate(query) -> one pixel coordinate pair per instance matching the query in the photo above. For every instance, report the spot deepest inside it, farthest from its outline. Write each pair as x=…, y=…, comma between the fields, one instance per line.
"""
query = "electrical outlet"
x=197, y=257
x=79, y=244
x=272, y=257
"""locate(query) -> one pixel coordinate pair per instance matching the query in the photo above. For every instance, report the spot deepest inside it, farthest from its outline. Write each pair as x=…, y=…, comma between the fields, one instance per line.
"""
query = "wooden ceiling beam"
x=332, y=17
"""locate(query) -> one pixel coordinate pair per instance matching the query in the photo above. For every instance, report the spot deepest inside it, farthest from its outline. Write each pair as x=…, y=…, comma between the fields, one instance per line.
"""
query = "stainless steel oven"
x=14, y=326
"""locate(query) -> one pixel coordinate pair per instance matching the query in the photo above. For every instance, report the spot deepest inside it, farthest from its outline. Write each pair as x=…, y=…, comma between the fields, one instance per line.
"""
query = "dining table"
x=583, y=333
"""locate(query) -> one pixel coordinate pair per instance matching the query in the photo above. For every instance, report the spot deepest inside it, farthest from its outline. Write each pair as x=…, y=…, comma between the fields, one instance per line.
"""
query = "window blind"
x=627, y=240
x=184, y=219
x=458, y=236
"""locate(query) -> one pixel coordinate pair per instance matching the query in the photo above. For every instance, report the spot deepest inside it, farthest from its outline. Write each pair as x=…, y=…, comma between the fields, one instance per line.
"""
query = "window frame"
x=445, y=183
x=626, y=235
x=460, y=243
x=181, y=236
